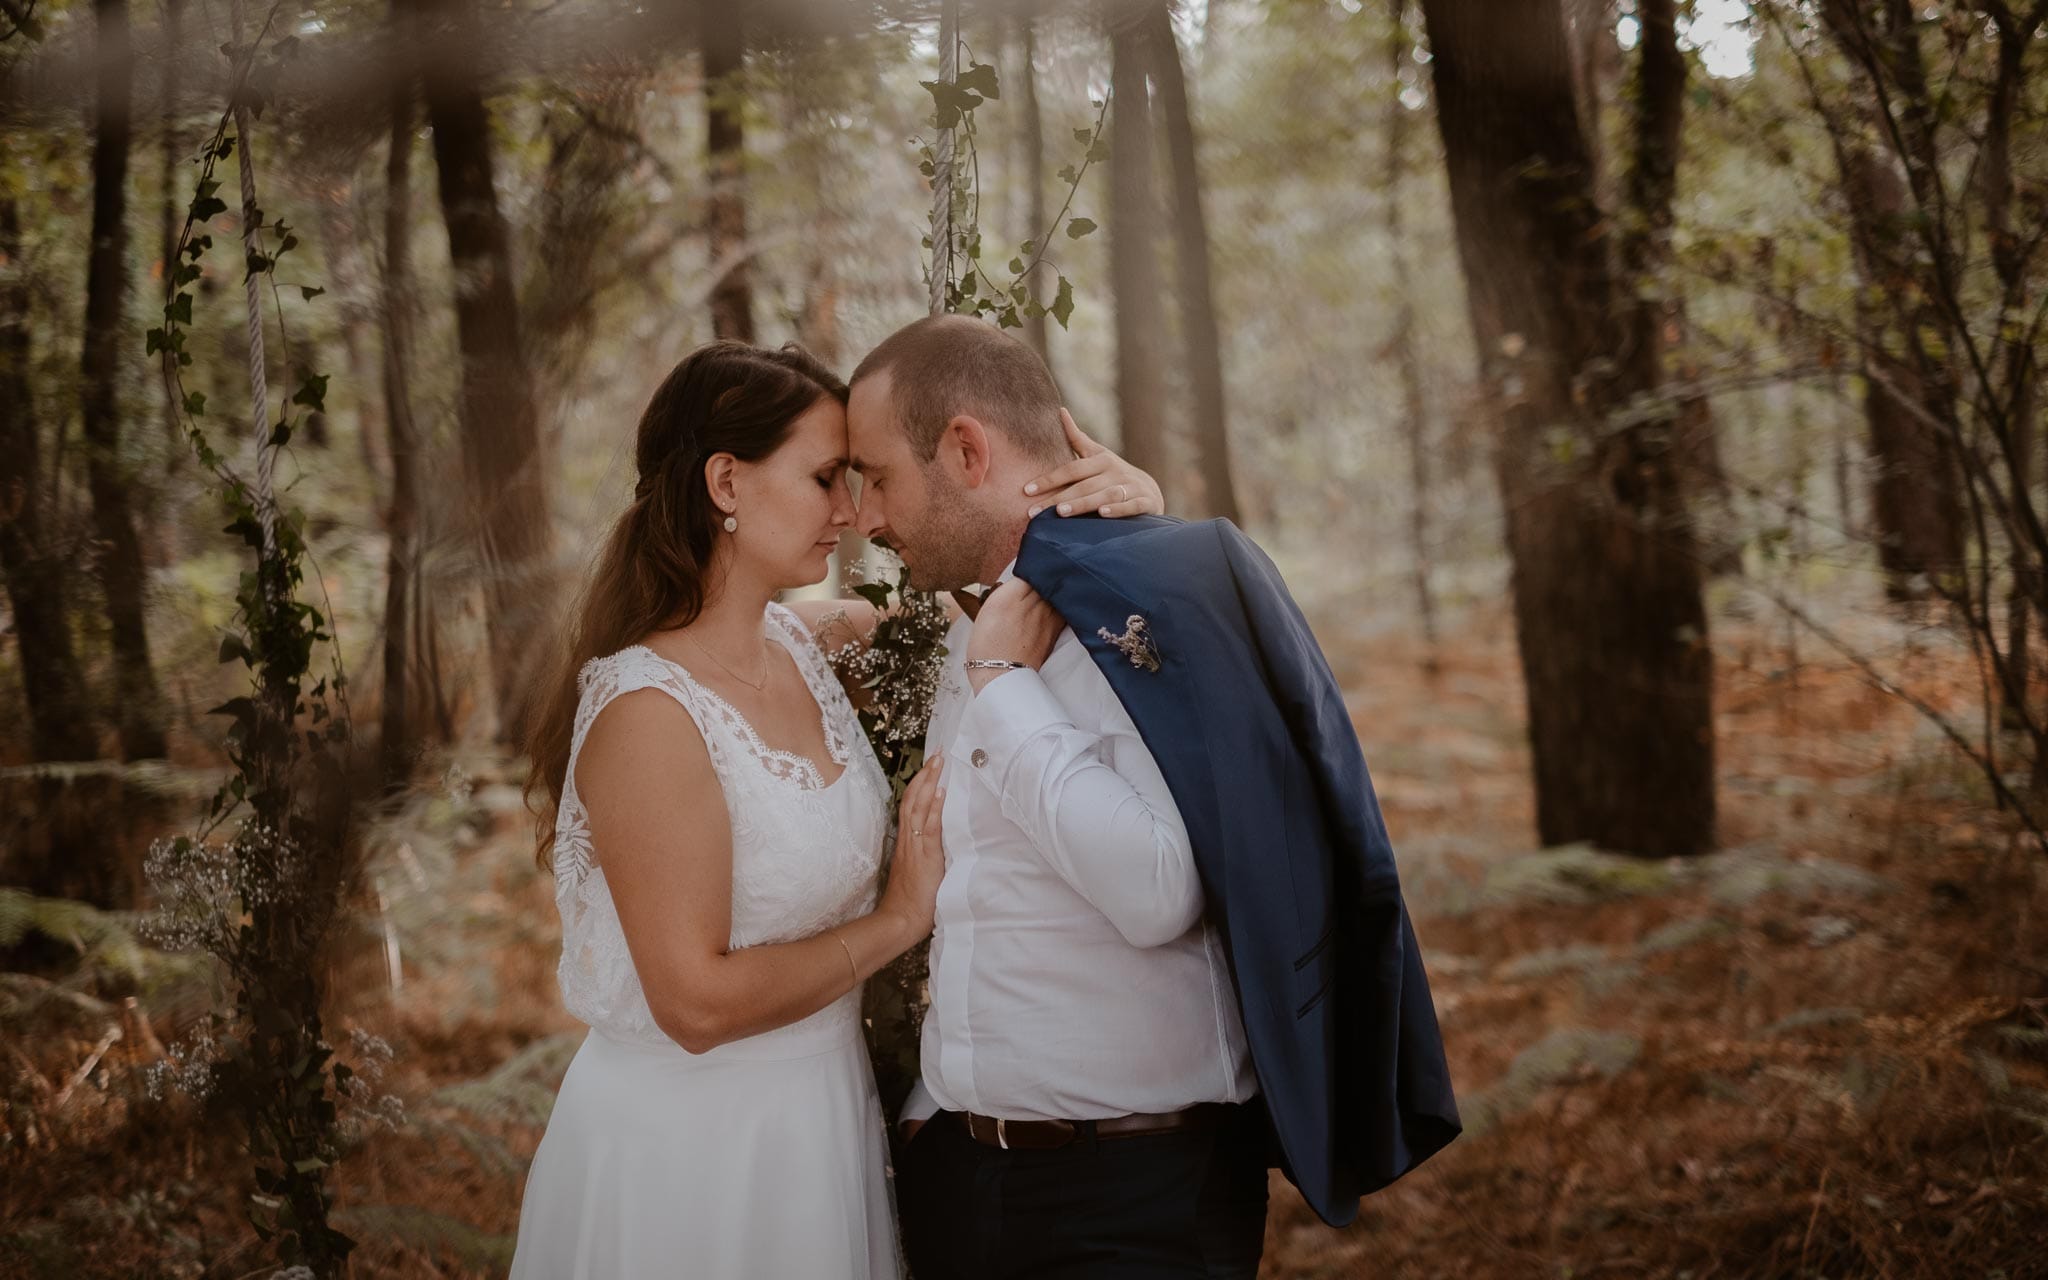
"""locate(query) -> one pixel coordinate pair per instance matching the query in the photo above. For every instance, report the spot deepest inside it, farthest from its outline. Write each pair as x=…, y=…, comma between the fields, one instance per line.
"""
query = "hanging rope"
x=259, y=389
x=942, y=162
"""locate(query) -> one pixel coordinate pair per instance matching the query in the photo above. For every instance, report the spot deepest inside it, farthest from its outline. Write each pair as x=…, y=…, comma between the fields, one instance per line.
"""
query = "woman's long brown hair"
x=728, y=397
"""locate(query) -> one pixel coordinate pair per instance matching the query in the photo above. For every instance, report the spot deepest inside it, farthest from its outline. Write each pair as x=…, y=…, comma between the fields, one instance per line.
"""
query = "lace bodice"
x=805, y=853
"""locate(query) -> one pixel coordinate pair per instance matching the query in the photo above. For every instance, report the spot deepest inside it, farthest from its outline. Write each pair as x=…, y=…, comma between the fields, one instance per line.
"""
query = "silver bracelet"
x=995, y=664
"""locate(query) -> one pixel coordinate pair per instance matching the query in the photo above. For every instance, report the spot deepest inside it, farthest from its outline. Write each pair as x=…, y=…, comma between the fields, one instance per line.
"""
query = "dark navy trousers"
x=1187, y=1203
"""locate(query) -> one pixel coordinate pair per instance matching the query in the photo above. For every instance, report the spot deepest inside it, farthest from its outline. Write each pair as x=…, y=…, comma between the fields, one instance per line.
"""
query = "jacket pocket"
x=1313, y=972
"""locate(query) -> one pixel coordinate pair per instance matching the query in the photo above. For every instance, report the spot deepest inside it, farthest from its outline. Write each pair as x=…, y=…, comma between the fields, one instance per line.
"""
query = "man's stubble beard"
x=953, y=540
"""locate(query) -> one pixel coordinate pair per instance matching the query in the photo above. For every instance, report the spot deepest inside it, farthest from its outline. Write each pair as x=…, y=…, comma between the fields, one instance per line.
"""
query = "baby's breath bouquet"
x=897, y=672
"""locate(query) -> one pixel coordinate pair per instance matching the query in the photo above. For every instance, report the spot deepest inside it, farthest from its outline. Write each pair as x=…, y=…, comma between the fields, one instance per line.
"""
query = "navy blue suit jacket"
x=1251, y=733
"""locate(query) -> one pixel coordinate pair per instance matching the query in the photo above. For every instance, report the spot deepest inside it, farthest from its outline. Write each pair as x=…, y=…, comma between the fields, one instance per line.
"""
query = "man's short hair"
x=944, y=366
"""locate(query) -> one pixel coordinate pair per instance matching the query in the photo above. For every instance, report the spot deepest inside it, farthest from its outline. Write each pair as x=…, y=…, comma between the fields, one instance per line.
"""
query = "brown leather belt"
x=1048, y=1135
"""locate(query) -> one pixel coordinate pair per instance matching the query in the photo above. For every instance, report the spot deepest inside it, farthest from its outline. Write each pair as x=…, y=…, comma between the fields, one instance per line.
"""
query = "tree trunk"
x=1596, y=72
x=122, y=573
x=1660, y=322
x=1204, y=345
x=59, y=721
x=591, y=155
x=1909, y=337
x=818, y=322
x=1033, y=177
x=2010, y=258
x=1916, y=501
x=169, y=154
x=1133, y=240
x=501, y=453
x=355, y=313
x=1401, y=343
x=1606, y=582
x=732, y=297
x=399, y=737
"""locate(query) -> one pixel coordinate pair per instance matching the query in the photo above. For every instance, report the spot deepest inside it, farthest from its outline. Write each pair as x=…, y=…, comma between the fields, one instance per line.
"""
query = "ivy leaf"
x=195, y=403
x=1084, y=135
x=154, y=342
x=980, y=78
x=280, y=435
x=951, y=101
x=310, y=292
x=1028, y=248
x=1063, y=303
x=1016, y=266
x=1078, y=227
x=207, y=208
x=178, y=310
x=243, y=710
x=874, y=593
x=1098, y=152
x=1068, y=176
x=313, y=393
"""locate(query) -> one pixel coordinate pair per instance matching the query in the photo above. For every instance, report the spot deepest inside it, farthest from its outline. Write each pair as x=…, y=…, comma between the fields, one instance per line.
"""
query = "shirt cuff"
x=1009, y=712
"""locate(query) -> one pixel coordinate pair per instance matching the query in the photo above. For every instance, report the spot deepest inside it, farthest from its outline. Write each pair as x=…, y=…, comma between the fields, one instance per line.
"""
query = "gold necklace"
x=756, y=686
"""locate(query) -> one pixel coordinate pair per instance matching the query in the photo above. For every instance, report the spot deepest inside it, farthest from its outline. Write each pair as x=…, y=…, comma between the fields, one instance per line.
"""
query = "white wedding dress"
x=763, y=1157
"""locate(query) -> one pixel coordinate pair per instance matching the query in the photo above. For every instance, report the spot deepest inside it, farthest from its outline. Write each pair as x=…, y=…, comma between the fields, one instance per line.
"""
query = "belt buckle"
x=1002, y=1138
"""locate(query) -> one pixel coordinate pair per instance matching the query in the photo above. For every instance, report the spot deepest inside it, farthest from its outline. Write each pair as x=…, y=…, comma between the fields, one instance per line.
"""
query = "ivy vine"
x=260, y=895
x=973, y=291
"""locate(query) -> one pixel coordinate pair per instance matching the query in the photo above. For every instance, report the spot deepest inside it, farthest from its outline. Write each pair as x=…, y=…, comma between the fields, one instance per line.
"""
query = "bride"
x=715, y=824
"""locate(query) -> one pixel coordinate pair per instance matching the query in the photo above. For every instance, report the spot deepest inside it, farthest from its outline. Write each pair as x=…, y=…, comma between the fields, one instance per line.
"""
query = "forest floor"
x=1820, y=1052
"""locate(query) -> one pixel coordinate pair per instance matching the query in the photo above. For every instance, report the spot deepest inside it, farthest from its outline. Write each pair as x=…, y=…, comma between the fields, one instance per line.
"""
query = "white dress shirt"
x=1072, y=974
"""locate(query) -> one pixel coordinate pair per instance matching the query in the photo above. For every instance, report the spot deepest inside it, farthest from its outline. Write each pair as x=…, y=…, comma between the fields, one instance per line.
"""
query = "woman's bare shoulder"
x=643, y=734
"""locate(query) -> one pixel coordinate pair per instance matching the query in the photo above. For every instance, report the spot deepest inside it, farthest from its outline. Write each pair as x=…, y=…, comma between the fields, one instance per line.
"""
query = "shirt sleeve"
x=1094, y=805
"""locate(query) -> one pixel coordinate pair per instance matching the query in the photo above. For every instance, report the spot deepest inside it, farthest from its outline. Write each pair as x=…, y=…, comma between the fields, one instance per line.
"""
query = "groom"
x=1170, y=946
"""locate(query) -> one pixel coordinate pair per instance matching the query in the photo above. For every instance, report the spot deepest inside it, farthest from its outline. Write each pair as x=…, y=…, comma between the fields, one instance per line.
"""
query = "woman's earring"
x=732, y=524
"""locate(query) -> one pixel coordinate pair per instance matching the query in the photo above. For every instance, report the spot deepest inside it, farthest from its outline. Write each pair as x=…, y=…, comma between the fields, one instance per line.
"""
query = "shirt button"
x=979, y=759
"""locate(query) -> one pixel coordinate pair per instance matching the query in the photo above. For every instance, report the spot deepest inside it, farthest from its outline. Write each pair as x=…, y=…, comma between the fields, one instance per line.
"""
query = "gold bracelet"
x=851, y=967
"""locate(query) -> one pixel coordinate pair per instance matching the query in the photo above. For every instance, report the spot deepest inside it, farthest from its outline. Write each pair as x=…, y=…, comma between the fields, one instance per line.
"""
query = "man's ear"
x=965, y=447
x=719, y=478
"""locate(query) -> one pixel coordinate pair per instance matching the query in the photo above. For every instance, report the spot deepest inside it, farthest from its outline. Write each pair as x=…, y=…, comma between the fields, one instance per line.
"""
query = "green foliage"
x=1555, y=1059
x=472, y=1250
x=106, y=948
x=521, y=1089
x=970, y=289
x=261, y=900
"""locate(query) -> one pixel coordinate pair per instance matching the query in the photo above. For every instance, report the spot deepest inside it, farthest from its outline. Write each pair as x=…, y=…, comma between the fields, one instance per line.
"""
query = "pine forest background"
x=1642, y=397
